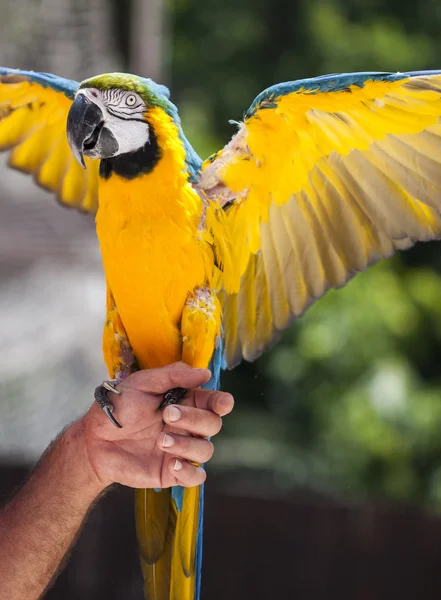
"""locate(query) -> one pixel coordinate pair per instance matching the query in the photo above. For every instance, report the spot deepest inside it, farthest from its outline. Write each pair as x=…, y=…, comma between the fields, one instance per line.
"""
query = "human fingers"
x=197, y=421
x=162, y=379
x=184, y=473
x=218, y=402
x=196, y=450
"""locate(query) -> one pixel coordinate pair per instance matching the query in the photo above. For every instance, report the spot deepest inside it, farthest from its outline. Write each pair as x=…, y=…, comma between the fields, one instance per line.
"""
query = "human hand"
x=138, y=455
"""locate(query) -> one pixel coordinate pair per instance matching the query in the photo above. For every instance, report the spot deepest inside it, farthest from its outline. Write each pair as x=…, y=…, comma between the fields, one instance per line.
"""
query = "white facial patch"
x=130, y=135
x=123, y=115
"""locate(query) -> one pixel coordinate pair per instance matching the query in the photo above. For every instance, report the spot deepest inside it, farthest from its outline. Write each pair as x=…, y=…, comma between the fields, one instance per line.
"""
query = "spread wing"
x=33, y=114
x=324, y=177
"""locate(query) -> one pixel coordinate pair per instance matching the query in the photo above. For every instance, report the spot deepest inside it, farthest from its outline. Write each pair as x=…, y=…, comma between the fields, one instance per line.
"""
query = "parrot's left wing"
x=324, y=177
x=33, y=114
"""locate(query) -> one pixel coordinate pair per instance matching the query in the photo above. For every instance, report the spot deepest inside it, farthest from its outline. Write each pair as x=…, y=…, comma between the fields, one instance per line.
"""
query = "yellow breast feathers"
x=152, y=249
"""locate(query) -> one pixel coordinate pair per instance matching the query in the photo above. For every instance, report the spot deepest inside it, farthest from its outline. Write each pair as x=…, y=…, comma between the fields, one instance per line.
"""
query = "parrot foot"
x=103, y=401
x=173, y=396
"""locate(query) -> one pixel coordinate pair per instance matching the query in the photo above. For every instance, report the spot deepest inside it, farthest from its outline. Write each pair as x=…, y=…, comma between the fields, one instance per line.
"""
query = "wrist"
x=84, y=474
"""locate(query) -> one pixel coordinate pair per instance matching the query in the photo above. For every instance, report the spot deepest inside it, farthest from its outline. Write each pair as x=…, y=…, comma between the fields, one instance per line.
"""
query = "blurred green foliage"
x=352, y=395
x=349, y=401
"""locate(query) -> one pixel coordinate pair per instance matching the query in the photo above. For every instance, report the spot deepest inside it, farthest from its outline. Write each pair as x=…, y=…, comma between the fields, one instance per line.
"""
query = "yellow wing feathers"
x=319, y=186
x=33, y=128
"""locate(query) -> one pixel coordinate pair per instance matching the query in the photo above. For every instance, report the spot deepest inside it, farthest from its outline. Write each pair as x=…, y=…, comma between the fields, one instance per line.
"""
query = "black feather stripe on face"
x=133, y=164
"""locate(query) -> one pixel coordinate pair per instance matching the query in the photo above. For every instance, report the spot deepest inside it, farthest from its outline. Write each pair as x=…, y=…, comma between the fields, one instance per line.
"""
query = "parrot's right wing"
x=33, y=114
x=324, y=177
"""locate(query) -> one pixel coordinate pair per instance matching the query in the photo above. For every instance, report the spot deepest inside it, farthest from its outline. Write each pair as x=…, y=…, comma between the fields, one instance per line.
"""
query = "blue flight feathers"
x=336, y=82
x=68, y=87
x=323, y=83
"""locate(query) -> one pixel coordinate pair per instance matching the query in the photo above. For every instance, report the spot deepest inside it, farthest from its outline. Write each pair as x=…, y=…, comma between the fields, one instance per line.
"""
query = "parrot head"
x=109, y=115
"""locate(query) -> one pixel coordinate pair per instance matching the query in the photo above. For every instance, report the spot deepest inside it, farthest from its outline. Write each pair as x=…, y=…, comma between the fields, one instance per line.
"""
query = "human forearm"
x=39, y=525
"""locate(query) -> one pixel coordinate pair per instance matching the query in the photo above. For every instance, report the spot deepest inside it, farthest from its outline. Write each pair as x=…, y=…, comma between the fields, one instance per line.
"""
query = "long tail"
x=169, y=529
x=169, y=526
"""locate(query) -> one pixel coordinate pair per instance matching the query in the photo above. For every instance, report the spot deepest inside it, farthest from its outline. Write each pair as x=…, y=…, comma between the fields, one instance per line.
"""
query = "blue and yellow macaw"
x=210, y=262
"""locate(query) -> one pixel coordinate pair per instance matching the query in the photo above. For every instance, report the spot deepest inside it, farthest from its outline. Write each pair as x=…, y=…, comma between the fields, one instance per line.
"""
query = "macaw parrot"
x=208, y=262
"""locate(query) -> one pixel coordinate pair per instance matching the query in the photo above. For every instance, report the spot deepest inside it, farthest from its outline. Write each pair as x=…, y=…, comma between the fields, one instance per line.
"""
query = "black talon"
x=108, y=411
x=173, y=396
x=103, y=401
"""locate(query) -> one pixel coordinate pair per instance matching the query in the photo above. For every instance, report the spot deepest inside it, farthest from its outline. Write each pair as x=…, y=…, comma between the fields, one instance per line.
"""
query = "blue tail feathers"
x=178, y=492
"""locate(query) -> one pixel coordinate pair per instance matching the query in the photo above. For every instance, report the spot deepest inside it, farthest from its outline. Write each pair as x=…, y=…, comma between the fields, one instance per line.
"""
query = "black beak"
x=84, y=124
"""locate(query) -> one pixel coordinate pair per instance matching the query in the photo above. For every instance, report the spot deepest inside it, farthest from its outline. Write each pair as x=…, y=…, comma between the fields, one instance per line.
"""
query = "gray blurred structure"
x=51, y=283
x=72, y=38
x=148, y=39
x=52, y=300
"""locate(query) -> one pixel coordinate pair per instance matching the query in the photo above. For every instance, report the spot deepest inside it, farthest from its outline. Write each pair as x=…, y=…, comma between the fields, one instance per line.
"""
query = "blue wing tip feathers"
x=336, y=82
x=66, y=86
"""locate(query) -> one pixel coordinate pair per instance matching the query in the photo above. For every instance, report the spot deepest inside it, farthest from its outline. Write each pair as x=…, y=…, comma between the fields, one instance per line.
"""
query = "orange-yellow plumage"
x=152, y=253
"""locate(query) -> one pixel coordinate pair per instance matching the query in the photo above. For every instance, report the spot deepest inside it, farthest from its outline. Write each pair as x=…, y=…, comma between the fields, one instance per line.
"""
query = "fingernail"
x=177, y=466
x=167, y=440
x=173, y=414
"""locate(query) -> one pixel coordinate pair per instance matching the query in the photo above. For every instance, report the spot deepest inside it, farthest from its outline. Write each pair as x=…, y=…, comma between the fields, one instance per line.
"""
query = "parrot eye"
x=131, y=100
